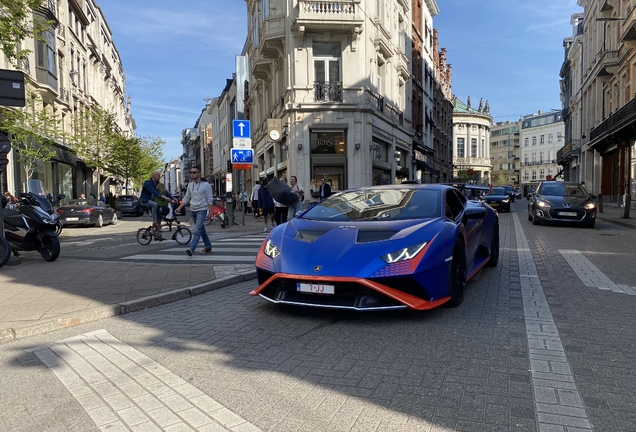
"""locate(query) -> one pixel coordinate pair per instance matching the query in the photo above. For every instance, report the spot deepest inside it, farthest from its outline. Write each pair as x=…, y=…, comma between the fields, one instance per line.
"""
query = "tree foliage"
x=135, y=158
x=33, y=130
x=17, y=23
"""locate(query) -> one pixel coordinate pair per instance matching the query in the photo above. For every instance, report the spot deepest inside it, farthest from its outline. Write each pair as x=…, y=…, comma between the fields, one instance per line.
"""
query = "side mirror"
x=475, y=213
x=592, y=196
x=61, y=197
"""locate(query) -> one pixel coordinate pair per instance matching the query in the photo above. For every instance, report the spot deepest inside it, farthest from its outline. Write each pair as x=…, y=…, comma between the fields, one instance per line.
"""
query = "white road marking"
x=123, y=389
x=196, y=257
x=557, y=399
x=591, y=275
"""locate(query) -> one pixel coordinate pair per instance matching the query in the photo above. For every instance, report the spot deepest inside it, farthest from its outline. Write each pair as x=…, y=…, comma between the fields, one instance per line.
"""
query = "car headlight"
x=589, y=206
x=403, y=254
x=543, y=204
x=271, y=250
x=507, y=200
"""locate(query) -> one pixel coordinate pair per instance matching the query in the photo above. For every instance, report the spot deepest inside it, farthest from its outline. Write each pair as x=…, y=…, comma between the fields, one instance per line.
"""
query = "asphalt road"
x=543, y=342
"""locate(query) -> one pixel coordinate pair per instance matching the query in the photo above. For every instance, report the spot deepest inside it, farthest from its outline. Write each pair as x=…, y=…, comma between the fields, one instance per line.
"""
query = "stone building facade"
x=600, y=107
x=338, y=75
x=77, y=66
x=505, y=153
x=542, y=136
x=471, y=142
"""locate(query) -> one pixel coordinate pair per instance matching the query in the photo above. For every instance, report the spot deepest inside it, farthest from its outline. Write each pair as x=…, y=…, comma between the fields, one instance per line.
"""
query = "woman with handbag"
x=314, y=192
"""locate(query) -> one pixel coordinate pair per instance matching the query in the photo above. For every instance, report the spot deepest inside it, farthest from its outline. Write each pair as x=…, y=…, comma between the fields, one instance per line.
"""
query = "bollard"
x=628, y=202
x=600, y=203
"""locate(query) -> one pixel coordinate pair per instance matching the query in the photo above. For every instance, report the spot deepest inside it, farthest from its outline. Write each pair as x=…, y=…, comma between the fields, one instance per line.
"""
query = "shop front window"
x=328, y=143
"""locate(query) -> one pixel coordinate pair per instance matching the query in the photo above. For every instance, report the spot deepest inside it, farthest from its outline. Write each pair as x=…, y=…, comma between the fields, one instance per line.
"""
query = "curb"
x=73, y=319
x=616, y=222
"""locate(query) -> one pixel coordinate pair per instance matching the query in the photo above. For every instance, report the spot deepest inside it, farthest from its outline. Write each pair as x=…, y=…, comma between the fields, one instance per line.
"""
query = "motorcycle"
x=33, y=225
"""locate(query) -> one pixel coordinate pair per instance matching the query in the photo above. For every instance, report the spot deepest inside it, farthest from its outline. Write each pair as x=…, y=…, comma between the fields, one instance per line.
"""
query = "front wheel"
x=58, y=227
x=182, y=235
x=207, y=221
x=144, y=236
x=113, y=221
x=5, y=251
x=457, y=282
x=50, y=248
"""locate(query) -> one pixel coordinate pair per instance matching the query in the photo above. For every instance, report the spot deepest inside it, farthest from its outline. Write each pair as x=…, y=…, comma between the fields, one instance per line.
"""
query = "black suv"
x=510, y=191
x=129, y=204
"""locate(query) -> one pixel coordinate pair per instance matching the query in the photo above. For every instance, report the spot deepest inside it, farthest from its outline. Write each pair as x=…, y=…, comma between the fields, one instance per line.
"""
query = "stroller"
x=218, y=212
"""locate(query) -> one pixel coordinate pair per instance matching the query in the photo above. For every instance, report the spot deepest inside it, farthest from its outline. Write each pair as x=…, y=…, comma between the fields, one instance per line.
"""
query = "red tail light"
x=60, y=211
x=88, y=211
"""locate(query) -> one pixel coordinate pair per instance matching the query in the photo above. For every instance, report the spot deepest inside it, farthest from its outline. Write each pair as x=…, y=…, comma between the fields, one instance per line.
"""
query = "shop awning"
x=423, y=166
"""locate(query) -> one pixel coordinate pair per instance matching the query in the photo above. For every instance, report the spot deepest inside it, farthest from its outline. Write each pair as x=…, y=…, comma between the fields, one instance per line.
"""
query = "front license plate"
x=72, y=219
x=314, y=288
x=573, y=214
x=494, y=204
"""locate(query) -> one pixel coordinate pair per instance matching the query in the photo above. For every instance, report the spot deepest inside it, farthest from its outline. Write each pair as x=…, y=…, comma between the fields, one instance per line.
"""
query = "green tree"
x=33, y=130
x=501, y=179
x=151, y=157
x=17, y=23
x=126, y=158
x=94, y=138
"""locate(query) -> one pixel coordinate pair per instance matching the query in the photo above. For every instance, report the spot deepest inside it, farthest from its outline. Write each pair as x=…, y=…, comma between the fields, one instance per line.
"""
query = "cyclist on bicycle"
x=148, y=192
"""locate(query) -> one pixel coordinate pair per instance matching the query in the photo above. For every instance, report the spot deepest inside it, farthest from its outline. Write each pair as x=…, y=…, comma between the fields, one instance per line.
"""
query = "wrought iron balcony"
x=328, y=91
x=569, y=151
x=48, y=7
x=25, y=65
x=617, y=121
x=329, y=15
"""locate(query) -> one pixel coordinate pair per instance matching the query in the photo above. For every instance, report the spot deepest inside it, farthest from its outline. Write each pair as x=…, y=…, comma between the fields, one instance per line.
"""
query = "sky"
x=508, y=52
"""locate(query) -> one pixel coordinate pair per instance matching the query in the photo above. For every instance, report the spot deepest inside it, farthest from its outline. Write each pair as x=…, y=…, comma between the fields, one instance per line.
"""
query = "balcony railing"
x=328, y=91
x=329, y=14
x=570, y=149
x=621, y=118
x=471, y=161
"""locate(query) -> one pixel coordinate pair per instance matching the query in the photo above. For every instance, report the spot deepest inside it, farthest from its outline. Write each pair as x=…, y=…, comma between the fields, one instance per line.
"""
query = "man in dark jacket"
x=325, y=189
x=148, y=192
x=266, y=202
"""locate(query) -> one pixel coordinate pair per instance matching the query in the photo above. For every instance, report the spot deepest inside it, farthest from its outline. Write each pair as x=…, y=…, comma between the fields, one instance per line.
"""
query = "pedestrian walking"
x=254, y=198
x=314, y=193
x=199, y=195
x=243, y=198
x=280, y=210
x=266, y=204
x=325, y=189
x=297, y=190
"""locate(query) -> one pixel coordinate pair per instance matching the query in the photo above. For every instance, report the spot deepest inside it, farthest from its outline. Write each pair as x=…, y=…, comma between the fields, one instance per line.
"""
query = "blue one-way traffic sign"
x=241, y=129
x=242, y=156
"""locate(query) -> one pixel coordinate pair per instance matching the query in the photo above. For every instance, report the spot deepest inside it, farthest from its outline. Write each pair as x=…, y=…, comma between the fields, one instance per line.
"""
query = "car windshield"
x=126, y=198
x=562, y=190
x=378, y=204
x=498, y=192
x=79, y=202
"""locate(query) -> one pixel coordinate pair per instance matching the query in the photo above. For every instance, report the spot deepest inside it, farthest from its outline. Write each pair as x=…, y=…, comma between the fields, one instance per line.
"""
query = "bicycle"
x=181, y=235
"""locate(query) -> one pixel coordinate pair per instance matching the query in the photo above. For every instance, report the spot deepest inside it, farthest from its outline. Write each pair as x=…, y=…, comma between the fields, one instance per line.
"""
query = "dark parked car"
x=498, y=199
x=510, y=191
x=517, y=193
x=530, y=193
x=129, y=204
x=562, y=202
x=86, y=212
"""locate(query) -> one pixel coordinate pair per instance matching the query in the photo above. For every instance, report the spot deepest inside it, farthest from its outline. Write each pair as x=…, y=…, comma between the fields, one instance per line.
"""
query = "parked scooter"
x=33, y=225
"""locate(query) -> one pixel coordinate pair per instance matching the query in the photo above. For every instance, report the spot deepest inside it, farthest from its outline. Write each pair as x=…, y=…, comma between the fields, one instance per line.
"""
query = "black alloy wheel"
x=50, y=248
x=457, y=282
